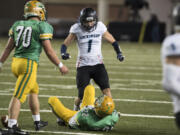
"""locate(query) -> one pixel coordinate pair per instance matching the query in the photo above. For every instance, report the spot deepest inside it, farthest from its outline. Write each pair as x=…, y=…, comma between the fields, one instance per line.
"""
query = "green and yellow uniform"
x=86, y=118
x=28, y=35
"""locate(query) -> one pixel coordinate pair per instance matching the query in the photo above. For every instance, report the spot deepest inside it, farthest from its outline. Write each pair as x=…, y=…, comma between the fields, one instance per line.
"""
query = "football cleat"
x=3, y=132
x=76, y=107
x=60, y=122
x=4, y=121
x=119, y=114
x=15, y=130
x=40, y=124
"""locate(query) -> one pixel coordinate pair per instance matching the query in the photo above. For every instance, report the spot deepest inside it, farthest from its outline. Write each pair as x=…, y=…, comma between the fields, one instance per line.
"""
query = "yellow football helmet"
x=34, y=8
x=104, y=106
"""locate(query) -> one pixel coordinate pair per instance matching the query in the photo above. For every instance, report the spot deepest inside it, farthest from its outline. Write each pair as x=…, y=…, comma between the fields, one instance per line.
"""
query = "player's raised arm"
x=115, y=44
x=53, y=57
x=67, y=41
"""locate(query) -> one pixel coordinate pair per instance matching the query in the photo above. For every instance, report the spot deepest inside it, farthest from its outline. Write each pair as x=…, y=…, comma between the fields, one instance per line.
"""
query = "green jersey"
x=86, y=119
x=27, y=35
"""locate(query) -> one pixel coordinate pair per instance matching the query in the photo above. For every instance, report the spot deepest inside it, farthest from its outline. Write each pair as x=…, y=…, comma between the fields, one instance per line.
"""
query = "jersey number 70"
x=25, y=33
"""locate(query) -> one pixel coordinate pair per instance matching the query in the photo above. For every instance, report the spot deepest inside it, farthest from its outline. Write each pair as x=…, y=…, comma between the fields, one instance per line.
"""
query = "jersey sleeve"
x=11, y=30
x=46, y=31
x=102, y=27
x=107, y=123
x=74, y=28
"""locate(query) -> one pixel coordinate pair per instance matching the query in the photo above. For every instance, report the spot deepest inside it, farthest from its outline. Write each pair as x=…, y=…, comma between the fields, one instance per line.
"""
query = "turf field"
x=136, y=88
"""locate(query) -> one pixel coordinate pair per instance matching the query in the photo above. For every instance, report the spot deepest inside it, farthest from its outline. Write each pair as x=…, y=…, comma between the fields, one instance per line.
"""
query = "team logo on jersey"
x=90, y=36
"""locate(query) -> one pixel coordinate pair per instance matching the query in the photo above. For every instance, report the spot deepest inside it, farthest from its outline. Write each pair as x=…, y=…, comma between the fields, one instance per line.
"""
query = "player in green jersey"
x=28, y=37
x=94, y=114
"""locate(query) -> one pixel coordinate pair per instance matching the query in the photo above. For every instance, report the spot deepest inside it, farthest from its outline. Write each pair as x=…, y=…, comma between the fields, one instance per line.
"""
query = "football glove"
x=65, y=56
x=120, y=57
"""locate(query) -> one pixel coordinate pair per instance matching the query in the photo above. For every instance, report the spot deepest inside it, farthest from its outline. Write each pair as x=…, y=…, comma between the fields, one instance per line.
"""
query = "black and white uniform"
x=90, y=60
x=171, y=72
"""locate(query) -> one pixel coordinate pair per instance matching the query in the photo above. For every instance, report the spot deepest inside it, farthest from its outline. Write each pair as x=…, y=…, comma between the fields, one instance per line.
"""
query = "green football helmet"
x=104, y=106
x=34, y=8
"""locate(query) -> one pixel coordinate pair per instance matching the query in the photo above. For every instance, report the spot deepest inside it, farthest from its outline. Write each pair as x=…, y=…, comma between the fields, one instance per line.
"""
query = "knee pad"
x=177, y=116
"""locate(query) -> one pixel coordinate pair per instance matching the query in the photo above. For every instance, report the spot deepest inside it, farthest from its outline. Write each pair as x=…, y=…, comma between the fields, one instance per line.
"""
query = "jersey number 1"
x=89, y=45
x=25, y=33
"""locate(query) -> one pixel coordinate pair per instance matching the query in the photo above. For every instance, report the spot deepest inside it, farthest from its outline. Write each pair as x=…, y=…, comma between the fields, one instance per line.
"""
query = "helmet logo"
x=88, y=15
x=34, y=8
x=89, y=19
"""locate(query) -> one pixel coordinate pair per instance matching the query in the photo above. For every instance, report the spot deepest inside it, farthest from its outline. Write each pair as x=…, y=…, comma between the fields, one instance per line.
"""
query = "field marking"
x=114, y=87
x=121, y=100
x=125, y=73
x=147, y=116
x=57, y=132
x=122, y=114
x=73, y=77
x=108, y=65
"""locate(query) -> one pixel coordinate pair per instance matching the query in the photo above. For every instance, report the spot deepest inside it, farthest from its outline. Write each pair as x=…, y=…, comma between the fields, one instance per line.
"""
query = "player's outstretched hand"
x=65, y=56
x=64, y=70
x=120, y=57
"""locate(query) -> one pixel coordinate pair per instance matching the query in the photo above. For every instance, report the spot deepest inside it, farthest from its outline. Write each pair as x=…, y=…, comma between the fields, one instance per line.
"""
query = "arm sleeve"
x=11, y=32
x=107, y=123
x=46, y=31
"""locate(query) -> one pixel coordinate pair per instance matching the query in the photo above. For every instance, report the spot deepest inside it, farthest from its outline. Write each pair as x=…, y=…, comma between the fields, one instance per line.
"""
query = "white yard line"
x=120, y=72
x=57, y=132
x=138, y=66
x=114, y=86
x=147, y=116
x=121, y=100
x=111, y=79
x=122, y=114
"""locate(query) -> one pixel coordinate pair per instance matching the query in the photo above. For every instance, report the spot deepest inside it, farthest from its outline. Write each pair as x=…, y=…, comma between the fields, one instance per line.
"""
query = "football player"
x=170, y=53
x=89, y=33
x=28, y=37
x=94, y=114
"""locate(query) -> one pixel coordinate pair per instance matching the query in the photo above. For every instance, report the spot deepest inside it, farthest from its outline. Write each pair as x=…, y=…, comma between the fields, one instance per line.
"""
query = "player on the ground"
x=94, y=114
x=28, y=37
x=89, y=33
x=170, y=53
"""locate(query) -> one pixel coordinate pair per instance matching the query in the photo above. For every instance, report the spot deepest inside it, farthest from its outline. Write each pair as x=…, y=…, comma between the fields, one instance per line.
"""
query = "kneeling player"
x=94, y=114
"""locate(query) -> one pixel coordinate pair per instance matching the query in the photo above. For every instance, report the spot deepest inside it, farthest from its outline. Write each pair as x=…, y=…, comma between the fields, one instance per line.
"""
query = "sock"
x=76, y=107
x=11, y=122
x=177, y=116
x=59, y=120
x=36, y=117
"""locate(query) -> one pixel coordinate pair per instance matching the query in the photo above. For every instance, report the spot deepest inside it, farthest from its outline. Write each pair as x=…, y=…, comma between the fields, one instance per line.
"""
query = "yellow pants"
x=26, y=72
x=64, y=113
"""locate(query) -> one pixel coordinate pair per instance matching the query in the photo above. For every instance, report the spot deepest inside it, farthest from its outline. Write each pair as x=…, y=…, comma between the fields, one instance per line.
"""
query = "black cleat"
x=4, y=121
x=60, y=122
x=16, y=131
x=3, y=132
x=40, y=124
